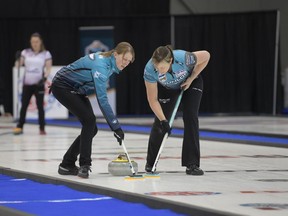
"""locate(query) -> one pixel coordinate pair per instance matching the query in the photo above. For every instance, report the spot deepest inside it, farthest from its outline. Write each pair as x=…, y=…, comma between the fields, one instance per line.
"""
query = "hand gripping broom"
x=166, y=135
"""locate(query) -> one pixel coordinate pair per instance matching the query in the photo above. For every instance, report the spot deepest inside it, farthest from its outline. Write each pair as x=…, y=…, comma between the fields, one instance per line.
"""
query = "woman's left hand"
x=185, y=85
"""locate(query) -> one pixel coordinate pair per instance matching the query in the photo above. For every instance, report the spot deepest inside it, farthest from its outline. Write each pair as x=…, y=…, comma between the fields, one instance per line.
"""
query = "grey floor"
x=239, y=178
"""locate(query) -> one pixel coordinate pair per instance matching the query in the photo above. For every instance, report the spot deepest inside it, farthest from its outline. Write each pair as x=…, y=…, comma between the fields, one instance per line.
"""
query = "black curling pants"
x=190, y=106
x=80, y=106
x=28, y=91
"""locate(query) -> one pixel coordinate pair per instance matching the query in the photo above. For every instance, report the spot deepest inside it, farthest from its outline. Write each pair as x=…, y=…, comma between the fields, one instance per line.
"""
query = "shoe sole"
x=83, y=176
x=63, y=172
x=66, y=173
x=195, y=174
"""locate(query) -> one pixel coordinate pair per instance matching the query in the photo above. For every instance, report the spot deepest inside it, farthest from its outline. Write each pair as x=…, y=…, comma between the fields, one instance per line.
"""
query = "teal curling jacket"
x=89, y=75
x=182, y=67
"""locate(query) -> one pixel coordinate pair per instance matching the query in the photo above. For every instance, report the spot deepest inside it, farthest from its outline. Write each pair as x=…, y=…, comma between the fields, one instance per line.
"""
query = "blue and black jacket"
x=181, y=68
x=89, y=75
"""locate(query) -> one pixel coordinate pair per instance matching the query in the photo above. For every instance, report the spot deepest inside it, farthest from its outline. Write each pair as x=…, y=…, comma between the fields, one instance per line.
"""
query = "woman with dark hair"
x=166, y=73
x=37, y=61
x=71, y=86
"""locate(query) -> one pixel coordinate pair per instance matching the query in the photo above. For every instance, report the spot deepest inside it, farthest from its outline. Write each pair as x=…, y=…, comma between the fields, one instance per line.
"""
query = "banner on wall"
x=53, y=108
x=99, y=39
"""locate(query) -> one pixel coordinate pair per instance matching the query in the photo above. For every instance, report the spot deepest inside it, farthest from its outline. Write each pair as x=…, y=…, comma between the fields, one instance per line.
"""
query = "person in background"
x=4, y=101
x=72, y=84
x=166, y=73
x=37, y=63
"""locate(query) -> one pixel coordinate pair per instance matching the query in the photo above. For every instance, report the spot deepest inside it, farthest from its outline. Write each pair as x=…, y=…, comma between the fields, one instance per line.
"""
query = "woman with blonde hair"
x=71, y=86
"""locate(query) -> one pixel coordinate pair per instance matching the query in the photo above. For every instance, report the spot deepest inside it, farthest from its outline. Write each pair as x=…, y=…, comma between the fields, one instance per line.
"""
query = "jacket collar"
x=113, y=64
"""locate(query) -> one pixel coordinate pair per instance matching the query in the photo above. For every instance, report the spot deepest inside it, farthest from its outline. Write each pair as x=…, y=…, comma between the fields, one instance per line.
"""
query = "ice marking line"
x=216, y=171
x=182, y=193
x=55, y=201
x=267, y=206
x=5, y=133
x=22, y=179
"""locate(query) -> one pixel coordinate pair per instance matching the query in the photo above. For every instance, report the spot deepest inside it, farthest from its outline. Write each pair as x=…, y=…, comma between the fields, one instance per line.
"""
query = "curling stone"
x=121, y=167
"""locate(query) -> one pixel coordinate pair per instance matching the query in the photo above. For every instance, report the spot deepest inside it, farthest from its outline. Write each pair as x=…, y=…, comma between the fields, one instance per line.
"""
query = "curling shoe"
x=194, y=170
x=68, y=170
x=42, y=132
x=148, y=168
x=84, y=171
x=17, y=131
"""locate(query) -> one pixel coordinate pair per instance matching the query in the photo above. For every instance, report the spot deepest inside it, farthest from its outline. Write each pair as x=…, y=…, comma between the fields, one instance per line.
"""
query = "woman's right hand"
x=165, y=127
x=119, y=135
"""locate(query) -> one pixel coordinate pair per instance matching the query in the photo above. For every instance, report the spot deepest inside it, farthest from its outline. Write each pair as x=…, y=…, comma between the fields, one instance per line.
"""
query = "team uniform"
x=169, y=88
x=71, y=85
x=33, y=75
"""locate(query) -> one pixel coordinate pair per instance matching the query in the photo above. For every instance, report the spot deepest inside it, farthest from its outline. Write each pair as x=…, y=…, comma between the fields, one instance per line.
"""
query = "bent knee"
x=89, y=120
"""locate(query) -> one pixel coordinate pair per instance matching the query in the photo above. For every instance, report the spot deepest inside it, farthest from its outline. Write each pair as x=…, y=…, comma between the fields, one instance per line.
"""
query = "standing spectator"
x=37, y=61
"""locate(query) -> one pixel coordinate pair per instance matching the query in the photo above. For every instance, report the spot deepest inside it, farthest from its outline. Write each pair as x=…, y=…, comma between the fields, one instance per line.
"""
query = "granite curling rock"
x=121, y=167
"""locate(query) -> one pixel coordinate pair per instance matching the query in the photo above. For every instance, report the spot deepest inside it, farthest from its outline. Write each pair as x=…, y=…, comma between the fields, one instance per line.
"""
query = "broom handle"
x=126, y=153
x=166, y=134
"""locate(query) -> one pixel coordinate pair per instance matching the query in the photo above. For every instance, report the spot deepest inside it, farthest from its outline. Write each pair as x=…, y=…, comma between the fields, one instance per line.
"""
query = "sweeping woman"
x=71, y=86
x=166, y=74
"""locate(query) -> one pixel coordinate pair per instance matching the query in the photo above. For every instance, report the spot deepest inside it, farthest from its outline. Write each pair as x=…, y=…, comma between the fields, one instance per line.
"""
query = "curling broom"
x=166, y=134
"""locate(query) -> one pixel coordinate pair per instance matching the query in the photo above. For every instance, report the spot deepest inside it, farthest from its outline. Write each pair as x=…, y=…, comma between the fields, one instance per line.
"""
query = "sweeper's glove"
x=165, y=127
x=119, y=135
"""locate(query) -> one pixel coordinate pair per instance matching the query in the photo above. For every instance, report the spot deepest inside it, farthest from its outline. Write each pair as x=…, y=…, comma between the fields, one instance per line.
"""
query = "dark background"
x=238, y=79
